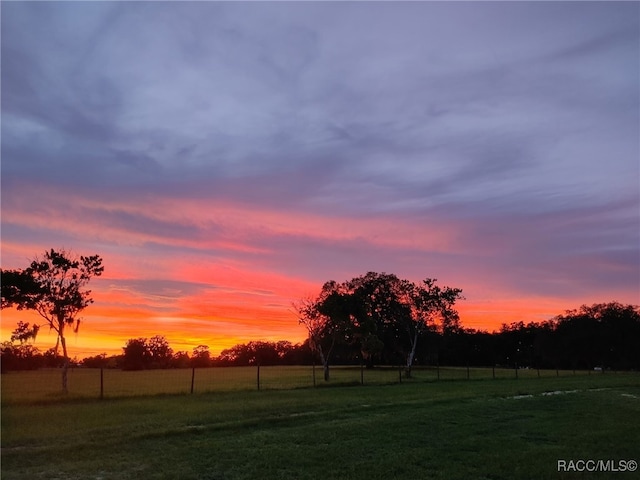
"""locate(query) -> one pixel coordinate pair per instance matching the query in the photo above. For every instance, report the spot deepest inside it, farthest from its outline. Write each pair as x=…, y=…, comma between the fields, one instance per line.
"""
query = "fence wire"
x=46, y=384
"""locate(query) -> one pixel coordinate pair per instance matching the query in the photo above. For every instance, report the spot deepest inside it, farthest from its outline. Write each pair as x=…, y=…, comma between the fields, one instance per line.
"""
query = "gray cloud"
x=505, y=116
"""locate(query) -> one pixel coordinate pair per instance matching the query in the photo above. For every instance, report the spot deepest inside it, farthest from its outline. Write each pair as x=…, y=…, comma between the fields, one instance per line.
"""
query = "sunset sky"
x=226, y=159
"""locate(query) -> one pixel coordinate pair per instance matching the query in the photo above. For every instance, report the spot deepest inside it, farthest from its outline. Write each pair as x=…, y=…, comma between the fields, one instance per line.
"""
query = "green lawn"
x=455, y=429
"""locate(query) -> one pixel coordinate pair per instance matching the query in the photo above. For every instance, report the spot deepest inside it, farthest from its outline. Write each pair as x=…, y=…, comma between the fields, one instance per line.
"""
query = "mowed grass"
x=454, y=429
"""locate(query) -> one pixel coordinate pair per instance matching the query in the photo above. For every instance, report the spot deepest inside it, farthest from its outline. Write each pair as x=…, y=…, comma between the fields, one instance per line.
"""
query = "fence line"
x=110, y=383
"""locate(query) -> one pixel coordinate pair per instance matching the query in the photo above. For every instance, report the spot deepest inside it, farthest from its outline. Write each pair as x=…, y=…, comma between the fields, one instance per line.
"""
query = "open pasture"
x=44, y=385
x=499, y=429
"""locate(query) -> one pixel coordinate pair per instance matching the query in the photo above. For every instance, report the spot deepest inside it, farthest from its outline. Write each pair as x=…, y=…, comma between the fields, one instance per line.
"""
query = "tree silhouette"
x=53, y=286
x=201, y=356
x=136, y=354
x=160, y=352
x=431, y=306
x=327, y=320
x=379, y=314
x=19, y=289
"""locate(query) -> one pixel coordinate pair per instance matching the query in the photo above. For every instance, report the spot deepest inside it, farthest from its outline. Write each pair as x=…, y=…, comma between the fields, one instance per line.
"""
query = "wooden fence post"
x=258, y=376
x=193, y=377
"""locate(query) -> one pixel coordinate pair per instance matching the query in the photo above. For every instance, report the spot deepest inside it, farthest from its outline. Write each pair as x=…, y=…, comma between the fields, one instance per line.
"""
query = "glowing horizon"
x=189, y=321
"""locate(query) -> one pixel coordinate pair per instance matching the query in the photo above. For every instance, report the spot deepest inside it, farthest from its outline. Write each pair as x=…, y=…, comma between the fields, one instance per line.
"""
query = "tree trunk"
x=65, y=366
x=410, y=357
x=325, y=365
x=325, y=362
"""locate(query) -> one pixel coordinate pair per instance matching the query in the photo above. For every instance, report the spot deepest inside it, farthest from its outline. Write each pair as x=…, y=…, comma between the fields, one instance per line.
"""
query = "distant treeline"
x=156, y=353
x=601, y=335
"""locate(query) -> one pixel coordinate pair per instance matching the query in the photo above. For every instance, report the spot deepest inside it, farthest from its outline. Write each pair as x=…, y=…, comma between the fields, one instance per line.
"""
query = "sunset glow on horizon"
x=227, y=159
x=226, y=317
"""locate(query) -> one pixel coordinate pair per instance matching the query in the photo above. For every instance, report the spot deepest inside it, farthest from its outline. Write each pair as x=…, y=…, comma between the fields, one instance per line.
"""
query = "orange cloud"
x=233, y=227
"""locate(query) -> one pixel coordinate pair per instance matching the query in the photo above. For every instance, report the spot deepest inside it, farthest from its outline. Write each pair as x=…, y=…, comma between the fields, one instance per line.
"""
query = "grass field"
x=455, y=429
x=45, y=385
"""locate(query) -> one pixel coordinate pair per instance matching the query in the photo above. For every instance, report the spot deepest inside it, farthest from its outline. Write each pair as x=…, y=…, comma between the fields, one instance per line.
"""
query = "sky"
x=225, y=159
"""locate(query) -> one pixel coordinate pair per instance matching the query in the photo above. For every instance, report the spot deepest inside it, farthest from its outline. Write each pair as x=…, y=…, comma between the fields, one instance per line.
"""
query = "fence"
x=45, y=384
